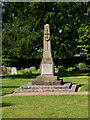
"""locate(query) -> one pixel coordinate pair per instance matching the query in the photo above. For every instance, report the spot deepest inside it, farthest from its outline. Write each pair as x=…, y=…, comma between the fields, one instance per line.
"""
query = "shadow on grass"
x=78, y=86
x=73, y=73
x=10, y=86
x=6, y=104
x=23, y=76
x=60, y=74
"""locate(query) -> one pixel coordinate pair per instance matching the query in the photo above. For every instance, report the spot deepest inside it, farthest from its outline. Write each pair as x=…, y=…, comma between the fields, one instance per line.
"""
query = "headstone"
x=13, y=71
x=47, y=64
x=33, y=68
x=26, y=70
x=9, y=68
x=3, y=69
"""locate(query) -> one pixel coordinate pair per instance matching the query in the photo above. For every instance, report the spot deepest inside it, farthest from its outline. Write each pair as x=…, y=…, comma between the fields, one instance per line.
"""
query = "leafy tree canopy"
x=23, y=25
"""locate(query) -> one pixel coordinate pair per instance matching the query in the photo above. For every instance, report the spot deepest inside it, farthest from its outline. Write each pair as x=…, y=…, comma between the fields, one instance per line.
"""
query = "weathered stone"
x=3, y=69
x=47, y=81
x=27, y=70
x=47, y=65
x=67, y=87
x=13, y=71
x=33, y=68
x=9, y=68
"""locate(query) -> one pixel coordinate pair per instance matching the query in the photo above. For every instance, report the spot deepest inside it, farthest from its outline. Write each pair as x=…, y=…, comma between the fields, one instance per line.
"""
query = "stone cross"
x=47, y=35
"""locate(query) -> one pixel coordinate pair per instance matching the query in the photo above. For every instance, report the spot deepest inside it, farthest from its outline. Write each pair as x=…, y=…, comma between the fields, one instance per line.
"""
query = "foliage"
x=70, y=68
x=23, y=24
x=28, y=74
x=62, y=71
x=7, y=62
x=82, y=66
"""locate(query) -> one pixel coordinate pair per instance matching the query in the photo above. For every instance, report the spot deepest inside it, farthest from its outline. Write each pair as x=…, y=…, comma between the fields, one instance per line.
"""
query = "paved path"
x=48, y=93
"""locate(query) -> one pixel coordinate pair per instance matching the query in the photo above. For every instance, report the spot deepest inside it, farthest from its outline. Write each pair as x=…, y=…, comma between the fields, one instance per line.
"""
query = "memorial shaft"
x=47, y=43
x=47, y=66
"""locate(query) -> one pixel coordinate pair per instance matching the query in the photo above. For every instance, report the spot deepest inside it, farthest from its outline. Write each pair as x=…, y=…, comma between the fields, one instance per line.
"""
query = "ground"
x=44, y=106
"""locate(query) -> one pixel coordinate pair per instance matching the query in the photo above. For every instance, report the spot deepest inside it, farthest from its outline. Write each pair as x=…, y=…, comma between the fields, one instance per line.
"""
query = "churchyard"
x=36, y=106
x=11, y=82
x=48, y=78
x=45, y=60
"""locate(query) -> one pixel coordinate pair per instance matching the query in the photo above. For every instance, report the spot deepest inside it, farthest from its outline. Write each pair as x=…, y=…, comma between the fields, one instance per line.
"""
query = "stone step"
x=46, y=89
x=74, y=87
x=65, y=86
x=40, y=82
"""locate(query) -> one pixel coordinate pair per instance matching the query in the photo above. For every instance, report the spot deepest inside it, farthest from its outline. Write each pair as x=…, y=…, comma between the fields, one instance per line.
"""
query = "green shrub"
x=82, y=67
x=28, y=74
x=7, y=62
x=62, y=68
x=62, y=71
x=70, y=69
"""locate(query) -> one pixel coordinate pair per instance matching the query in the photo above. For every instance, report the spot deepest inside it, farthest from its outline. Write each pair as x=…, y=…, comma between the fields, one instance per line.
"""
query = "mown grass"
x=47, y=106
x=11, y=82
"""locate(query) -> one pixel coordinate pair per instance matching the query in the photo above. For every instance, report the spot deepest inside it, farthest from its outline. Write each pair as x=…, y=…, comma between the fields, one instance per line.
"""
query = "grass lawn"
x=47, y=106
x=11, y=82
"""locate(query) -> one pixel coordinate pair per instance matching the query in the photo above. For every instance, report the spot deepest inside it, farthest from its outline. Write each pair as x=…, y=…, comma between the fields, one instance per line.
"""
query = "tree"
x=23, y=25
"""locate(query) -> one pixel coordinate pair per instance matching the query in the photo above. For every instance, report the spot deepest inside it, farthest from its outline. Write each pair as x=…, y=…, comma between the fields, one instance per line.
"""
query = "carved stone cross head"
x=47, y=35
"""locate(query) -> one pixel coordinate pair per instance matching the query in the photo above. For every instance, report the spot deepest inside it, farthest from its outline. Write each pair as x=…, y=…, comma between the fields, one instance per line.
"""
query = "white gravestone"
x=14, y=71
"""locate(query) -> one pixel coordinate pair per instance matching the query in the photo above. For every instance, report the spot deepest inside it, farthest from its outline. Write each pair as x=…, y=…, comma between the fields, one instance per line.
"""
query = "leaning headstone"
x=13, y=71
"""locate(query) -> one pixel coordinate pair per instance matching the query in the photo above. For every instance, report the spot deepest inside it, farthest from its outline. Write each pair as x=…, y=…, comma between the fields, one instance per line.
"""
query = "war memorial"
x=47, y=81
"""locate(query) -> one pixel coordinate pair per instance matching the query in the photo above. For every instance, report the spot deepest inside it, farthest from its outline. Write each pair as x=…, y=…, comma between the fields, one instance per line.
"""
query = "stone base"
x=47, y=80
x=66, y=87
x=47, y=83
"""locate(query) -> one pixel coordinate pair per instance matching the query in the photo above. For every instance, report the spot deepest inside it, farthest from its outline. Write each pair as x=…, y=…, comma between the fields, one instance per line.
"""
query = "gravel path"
x=49, y=93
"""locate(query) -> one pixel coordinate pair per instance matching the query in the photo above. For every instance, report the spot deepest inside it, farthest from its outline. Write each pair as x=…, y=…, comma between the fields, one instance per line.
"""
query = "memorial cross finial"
x=47, y=35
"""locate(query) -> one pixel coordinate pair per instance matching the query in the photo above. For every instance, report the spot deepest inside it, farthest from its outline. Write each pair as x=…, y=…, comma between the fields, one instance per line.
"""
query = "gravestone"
x=47, y=81
x=26, y=70
x=14, y=71
x=9, y=68
x=3, y=69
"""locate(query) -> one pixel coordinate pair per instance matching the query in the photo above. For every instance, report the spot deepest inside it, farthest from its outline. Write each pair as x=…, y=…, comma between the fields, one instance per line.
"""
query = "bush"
x=62, y=71
x=82, y=67
x=70, y=69
x=28, y=74
x=8, y=62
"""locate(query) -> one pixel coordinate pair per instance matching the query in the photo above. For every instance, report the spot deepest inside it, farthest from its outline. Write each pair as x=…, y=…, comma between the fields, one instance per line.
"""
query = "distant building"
x=81, y=55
